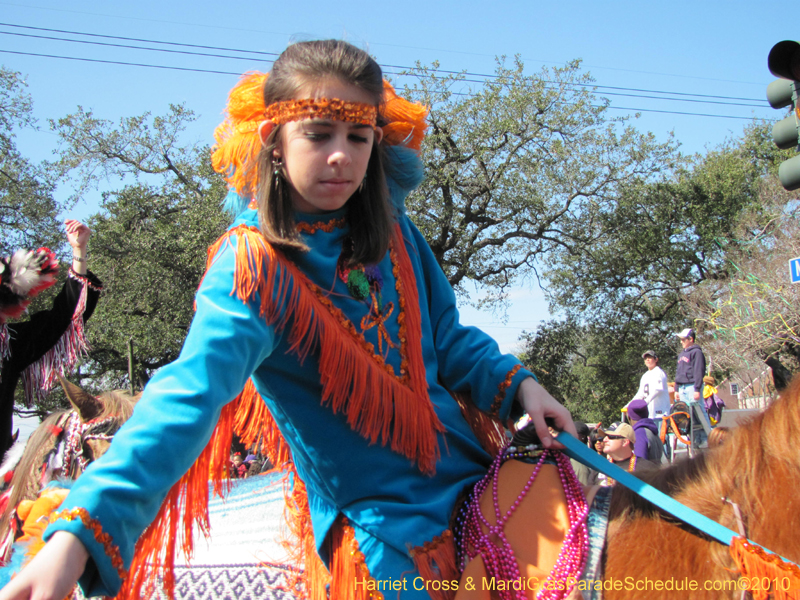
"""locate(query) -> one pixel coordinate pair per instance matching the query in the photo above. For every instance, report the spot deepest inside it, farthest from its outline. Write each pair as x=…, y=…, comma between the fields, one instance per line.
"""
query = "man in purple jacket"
x=648, y=441
x=689, y=383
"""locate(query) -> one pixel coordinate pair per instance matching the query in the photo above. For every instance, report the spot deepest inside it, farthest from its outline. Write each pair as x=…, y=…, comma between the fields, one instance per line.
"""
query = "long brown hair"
x=369, y=212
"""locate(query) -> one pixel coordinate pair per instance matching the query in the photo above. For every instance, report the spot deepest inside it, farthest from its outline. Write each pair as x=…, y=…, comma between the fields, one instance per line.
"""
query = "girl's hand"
x=77, y=234
x=540, y=405
x=53, y=572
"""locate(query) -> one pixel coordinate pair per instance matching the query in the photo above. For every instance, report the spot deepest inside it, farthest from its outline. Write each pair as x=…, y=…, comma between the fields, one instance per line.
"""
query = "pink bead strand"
x=498, y=556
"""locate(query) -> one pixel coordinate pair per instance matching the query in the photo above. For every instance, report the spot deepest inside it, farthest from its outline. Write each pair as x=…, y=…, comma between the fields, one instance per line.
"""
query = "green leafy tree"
x=753, y=314
x=663, y=238
x=691, y=249
x=521, y=167
x=28, y=210
x=150, y=237
x=594, y=371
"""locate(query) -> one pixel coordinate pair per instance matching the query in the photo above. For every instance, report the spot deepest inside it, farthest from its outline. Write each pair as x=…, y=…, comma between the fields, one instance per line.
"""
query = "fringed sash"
x=380, y=405
x=38, y=378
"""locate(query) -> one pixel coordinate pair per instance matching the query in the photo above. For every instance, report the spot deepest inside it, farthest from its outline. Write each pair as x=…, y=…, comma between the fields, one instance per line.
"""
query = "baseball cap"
x=649, y=353
x=686, y=333
x=624, y=430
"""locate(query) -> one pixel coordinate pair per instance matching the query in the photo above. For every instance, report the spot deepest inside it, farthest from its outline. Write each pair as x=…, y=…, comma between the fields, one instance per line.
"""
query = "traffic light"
x=784, y=62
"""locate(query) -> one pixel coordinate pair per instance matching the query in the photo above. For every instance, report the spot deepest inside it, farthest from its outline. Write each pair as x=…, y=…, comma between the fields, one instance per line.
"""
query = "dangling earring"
x=363, y=185
x=277, y=175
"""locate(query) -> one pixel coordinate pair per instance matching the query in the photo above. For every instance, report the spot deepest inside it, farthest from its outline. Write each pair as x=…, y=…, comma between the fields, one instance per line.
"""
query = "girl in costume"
x=51, y=341
x=327, y=299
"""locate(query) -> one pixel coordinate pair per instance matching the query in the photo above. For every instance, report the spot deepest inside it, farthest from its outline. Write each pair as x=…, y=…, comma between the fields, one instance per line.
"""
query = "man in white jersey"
x=653, y=388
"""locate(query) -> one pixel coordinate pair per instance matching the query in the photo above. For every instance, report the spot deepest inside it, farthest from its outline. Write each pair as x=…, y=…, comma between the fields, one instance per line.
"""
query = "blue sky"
x=713, y=53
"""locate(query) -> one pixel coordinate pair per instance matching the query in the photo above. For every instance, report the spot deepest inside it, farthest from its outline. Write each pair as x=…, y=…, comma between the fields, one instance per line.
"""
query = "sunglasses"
x=616, y=437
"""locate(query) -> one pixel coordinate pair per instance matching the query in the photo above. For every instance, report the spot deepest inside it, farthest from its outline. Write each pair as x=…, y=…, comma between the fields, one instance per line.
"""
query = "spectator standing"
x=596, y=439
x=654, y=388
x=689, y=381
x=618, y=448
x=648, y=443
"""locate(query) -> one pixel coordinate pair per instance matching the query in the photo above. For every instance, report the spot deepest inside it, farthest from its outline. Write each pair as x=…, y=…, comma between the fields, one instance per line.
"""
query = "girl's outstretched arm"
x=539, y=404
x=53, y=572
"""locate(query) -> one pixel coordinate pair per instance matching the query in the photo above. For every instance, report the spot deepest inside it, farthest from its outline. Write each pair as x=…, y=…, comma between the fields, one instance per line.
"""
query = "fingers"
x=74, y=226
x=52, y=573
x=540, y=405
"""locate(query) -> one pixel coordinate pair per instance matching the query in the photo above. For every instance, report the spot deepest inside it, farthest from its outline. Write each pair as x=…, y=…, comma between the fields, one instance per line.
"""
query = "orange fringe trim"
x=754, y=562
x=355, y=381
x=348, y=566
x=436, y=561
x=502, y=388
x=185, y=506
x=253, y=420
x=300, y=544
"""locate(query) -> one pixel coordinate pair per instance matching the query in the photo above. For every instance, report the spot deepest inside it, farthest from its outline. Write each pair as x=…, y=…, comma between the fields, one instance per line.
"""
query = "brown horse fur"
x=26, y=483
x=758, y=468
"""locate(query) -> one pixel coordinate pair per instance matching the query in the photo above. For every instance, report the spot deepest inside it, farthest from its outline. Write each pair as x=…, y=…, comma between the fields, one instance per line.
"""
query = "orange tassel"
x=406, y=120
x=253, y=421
x=238, y=143
x=436, y=561
x=351, y=579
x=755, y=563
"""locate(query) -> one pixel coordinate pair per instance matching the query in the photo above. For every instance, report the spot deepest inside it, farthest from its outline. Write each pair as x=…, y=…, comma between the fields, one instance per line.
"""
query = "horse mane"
x=25, y=483
x=757, y=467
x=118, y=403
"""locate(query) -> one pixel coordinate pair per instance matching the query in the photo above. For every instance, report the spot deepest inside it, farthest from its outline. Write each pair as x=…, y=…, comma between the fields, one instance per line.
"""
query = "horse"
x=753, y=473
x=62, y=447
x=747, y=484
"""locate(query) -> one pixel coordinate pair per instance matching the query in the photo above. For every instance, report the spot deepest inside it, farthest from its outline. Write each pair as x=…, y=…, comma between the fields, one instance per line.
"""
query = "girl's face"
x=325, y=161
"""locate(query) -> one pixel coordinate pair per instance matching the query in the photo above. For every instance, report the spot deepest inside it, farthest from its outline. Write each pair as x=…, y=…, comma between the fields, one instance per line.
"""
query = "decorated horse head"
x=62, y=446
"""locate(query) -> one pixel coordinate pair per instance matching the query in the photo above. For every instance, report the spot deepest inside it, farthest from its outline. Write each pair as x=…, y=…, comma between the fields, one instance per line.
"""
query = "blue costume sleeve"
x=122, y=492
x=469, y=359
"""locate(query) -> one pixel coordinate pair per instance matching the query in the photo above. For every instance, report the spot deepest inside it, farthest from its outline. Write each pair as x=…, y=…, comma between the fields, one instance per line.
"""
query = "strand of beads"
x=575, y=549
x=498, y=556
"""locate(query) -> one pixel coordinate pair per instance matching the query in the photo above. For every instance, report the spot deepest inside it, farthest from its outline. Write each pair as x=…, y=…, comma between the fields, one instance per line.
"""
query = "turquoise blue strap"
x=577, y=450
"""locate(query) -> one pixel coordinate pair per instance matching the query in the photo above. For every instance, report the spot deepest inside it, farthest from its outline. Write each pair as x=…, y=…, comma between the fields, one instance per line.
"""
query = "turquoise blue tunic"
x=391, y=504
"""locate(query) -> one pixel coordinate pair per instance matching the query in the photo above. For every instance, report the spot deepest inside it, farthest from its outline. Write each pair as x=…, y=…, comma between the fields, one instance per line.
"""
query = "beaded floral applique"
x=365, y=282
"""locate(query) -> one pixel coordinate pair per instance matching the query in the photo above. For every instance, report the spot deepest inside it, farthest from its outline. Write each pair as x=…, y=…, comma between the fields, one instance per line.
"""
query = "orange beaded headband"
x=322, y=108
